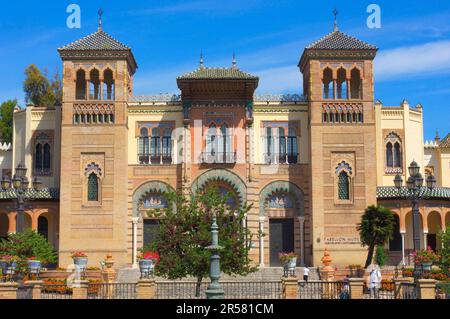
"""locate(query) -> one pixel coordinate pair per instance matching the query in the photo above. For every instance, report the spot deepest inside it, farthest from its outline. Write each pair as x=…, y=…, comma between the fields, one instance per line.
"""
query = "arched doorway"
x=434, y=227
x=395, y=244
x=43, y=226
x=282, y=203
x=4, y=226
x=409, y=236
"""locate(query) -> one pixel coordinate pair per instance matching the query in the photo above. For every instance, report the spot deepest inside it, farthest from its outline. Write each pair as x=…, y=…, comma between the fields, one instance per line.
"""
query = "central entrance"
x=281, y=238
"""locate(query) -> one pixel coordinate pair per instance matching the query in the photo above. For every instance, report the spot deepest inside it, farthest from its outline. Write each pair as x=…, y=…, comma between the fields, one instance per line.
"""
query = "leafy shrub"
x=380, y=256
x=28, y=244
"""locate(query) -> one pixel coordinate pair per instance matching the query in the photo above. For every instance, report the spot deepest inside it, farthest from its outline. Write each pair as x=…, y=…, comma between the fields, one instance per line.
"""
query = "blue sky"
x=268, y=37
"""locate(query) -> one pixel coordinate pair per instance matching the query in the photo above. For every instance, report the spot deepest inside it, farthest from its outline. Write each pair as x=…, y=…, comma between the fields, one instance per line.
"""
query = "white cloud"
x=417, y=60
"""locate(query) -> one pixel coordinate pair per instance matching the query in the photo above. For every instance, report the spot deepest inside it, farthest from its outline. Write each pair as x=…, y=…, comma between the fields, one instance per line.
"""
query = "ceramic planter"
x=146, y=267
x=81, y=262
x=34, y=266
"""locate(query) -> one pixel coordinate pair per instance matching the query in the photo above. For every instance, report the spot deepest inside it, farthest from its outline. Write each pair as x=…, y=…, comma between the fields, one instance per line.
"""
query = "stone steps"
x=131, y=275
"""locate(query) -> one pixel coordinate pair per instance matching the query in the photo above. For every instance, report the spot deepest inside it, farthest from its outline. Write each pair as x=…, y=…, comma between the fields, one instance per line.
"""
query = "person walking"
x=375, y=282
x=305, y=274
x=345, y=292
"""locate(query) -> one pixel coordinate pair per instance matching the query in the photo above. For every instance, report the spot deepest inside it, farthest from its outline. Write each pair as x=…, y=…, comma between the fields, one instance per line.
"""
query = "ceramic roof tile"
x=390, y=192
x=337, y=40
x=47, y=193
x=445, y=143
x=98, y=40
x=218, y=73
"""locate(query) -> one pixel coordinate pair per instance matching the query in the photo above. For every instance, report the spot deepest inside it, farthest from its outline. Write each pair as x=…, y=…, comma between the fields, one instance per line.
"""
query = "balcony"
x=156, y=159
x=284, y=158
x=218, y=158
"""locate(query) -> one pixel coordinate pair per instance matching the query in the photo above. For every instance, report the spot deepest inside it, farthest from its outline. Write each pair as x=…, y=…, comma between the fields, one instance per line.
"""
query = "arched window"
x=344, y=186
x=108, y=85
x=355, y=84
x=328, y=90
x=167, y=146
x=38, y=165
x=211, y=141
x=224, y=144
x=397, y=155
x=282, y=145
x=92, y=189
x=341, y=84
x=94, y=85
x=389, y=155
x=143, y=147
x=43, y=226
x=47, y=157
x=81, y=85
x=292, y=146
x=155, y=146
x=394, y=157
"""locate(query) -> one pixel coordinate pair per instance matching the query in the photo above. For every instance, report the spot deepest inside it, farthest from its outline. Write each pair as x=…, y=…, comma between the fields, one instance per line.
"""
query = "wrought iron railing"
x=53, y=291
x=154, y=159
x=283, y=158
x=409, y=291
x=24, y=292
x=112, y=291
x=322, y=289
x=218, y=157
x=443, y=290
x=232, y=290
x=384, y=290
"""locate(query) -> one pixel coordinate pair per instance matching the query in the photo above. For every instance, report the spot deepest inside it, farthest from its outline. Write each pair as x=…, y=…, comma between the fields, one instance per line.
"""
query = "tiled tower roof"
x=337, y=40
x=98, y=40
x=445, y=143
x=217, y=73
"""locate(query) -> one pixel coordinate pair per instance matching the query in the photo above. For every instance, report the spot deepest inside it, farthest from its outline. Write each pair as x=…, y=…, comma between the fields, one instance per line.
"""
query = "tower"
x=97, y=82
x=338, y=80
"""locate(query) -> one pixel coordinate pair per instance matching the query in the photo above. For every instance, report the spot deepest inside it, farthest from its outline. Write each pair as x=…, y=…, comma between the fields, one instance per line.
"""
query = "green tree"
x=28, y=244
x=39, y=90
x=444, y=262
x=185, y=232
x=376, y=227
x=381, y=257
x=6, y=120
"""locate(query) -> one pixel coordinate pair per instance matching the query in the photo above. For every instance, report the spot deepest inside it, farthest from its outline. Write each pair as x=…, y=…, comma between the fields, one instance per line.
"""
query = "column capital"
x=262, y=219
x=301, y=218
x=135, y=220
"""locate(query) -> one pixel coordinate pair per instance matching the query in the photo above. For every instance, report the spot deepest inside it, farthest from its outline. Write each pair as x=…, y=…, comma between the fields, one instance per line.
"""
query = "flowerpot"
x=81, y=262
x=426, y=266
x=34, y=266
x=10, y=268
x=146, y=267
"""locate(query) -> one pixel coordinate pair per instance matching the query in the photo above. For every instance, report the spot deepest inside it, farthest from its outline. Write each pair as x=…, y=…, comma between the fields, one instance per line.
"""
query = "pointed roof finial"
x=234, y=60
x=100, y=13
x=202, y=65
x=335, y=13
x=437, y=138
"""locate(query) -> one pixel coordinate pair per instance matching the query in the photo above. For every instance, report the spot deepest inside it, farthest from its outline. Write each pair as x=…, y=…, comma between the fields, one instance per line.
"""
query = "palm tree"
x=376, y=227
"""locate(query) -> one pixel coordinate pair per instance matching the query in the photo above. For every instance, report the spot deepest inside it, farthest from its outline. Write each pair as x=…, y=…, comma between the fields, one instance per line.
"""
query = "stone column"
x=135, y=221
x=80, y=289
x=290, y=288
x=34, y=221
x=427, y=288
x=356, y=288
x=261, y=241
x=8, y=290
x=37, y=287
x=425, y=240
x=146, y=289
x=301, y=220
x=12, y=223
x=402, y=233
x=109, y=275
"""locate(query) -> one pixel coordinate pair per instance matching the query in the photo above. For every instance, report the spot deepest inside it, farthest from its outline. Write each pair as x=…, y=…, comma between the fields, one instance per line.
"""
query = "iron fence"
x=232, y=290
x=56, y=292
x=386, y=290
x=112, y=291
x=25, y=292
x=409, y=291
x=322, y=290
x=443, y=290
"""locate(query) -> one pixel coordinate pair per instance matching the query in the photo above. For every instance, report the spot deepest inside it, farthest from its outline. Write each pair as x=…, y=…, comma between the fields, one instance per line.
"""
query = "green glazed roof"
x=390, y=192
x=337, y=40
x=445, y=143
x=47, y=193
x=218, y=73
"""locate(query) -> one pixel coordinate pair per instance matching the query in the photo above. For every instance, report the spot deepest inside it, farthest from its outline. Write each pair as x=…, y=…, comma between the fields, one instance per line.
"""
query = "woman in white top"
x=375, y=282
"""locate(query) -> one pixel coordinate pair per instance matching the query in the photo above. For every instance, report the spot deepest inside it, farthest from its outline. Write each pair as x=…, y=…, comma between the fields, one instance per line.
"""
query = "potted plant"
x=425, y=258
x=9, y=265
x=34, y=265
x=80, y=259
x=289, y=260
x=147, y=263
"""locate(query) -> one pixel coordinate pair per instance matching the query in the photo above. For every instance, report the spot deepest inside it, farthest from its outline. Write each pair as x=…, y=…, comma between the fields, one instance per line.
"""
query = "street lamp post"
x=214, y=290
x=415, y=191
x=19, y=186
